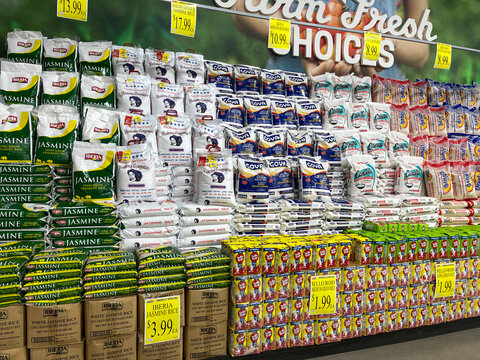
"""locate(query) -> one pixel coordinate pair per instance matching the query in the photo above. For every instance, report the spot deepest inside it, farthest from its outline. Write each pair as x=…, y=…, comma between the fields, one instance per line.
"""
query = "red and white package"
x=401, y=118
x=438, y=180
x=419, y=124
x=438, y=148
x=462, y=183
x=419, y=146
x=401, y=92
x=438, y=121
x=418, y=93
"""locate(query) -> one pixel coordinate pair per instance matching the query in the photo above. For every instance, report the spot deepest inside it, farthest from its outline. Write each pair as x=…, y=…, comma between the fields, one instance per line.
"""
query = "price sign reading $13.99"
x=371, y=50
x=445, y=280
x=279, y=34
x=184, y=18
x=443, y=60
x=162, y=320
x=72, y=9
x=323, y=295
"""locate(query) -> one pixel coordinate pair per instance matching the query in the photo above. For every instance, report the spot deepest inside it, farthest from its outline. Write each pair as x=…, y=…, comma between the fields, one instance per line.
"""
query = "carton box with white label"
x=53, y=325
x=59, y=352
x=169, y=350
x=121, y=347
x=14, y=354
x=206, y=306
x=12, y=326
x=110, y=316
x=203, y=342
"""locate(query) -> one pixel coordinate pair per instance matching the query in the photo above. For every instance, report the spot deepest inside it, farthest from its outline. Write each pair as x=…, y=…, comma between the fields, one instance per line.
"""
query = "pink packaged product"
x=455, y=117
x=462, y=183
x=456, y=212
x=382, y=89
x=419, y=146
x=453, y=221
x=400, y=91
x=419, y=124
x=438, y=121
x=458, y=149
x=438, y=180
x=474, y=170
x=438, y=148
x=453, y=204
x=418, y=93
x=401, y=118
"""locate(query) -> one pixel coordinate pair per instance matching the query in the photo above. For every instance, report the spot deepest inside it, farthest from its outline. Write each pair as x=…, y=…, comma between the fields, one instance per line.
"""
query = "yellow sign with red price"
x=323, y=295
x=162, y=319
x=72, y=9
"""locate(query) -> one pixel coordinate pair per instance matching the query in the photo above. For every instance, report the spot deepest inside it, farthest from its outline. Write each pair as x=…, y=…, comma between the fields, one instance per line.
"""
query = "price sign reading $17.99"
x=162, y=320
x=445, y=280
x=184, y=18
x=323, y=295
x=72, y=9
x=443, y=60
x=371, y=50
x=279, y=34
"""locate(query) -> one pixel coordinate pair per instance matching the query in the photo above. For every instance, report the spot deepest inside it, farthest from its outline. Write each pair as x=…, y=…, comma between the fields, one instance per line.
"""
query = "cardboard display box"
x=121, y=347
x=58, y=352
x=12, y=326
x=141, y=307
x=52, y=325
x=203, y=342
x=170, y=350
x=110, y=316
x=206, y=306
x=14, y=354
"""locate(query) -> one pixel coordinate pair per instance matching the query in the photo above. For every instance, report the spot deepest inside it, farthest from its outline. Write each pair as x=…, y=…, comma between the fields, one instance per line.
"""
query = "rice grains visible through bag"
x=93, y=171
x=97, y=90
x=101, y=124
x=25, y=46
x=16, y=136
x=57, y=128
x=60, y=54
x=133, y=94
x=95, y=57
x=20, y=83
x=60, y=88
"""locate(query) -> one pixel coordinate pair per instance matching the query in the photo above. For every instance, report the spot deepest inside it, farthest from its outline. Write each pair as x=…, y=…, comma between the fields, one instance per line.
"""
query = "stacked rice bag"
x=148, y=224
x=386, y=181
x=258, y=219
x=341, y=215
x=62, y=189
x=54, y=277
x=459, y=212
x=109, y=273
x=302, y=218
x=419, y=209
x=23, y=221
x=91, y=224
x=206, y=268
x=160, y=268
x=381, y=210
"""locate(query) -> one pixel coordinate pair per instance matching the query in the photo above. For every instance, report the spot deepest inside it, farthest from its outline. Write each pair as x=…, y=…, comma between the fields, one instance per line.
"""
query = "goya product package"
x=16, y=134
x=95, y=57
x=189, y=68
x=174, y=139
x=167, y=99
x=133, y=94
x=321, y=87
x=127, y=60
x=299, y=143
x=362, y=175
x=19, y=82
x=273, y=82
x=230, y=110
x=93, y=171
x=309, y=113
x=25, y=46
x=280, y=183
x=379, y=117
x=57, y=129
x=200, y=101
x=283, y=113
x=160, y=65
x=247, y=79
x=271, y=143
x=257, y=111
x=241, y=141
x=97, y=90
x=101, y=124
x=334, y=114
x=357, y=117
x=220, y=74
x=313, y=179
x=208, y=135
x=136, y=129
x=60, y=88
x=60, y=54
x=409, y=175
x=252, y=180
x=296, y=85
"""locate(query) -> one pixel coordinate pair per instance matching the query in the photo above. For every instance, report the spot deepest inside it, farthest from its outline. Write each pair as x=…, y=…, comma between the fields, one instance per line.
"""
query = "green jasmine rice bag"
x=20, y=83
x=95, y=57
x=193, y=273
x=82, y=232
x=53, y=294
x=97, y=90
x=24, y=169
x=13, y=264
x=83, y=221
x=161, y=287
x=25, y=46
x=63, y=181
x=62, y=198
x=210, y=285
x=28, y=179
x=110, y=293
x=110, y=284
x=51, y=285
x=93, y=171
x=57, y=130
x=161, y=279
x=20, y=198
x=82, y=209
x=26, y=189
x=22, y=223
x=44, y=275
x=23, y=234
x=28, y=211
x=10, y=278
x=67, y=300
x=62, y=171
x=16, y=139
x=90, y=241
x=101, y=124
x=60, y=54
x=10, y=288
x=60, y=88
x=107, y=276
x=62, y=191
x=161, y=271
x=12, y=248
x=209, y=278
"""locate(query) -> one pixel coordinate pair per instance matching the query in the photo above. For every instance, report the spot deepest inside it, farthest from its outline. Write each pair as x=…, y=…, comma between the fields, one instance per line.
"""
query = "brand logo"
x=313, y=165
x=24, y=44
x=283, y=104
x=94, y=157
x=57, y=350
x=271, y=138
x=58, y=126
x=95, y=53
x=217, y=67
x=112, y=306
x=60, y=50
x=10, y=119
x=100, y=130
x=3, y=314
x=258, y=103
x=53, y=312
x=210, y=295
x=98, y=90
x=269, y=76
x=231, y=101
x=116, y=343
x=247, y=71
x=20, y=79
x=60, y=84
x=308, y=106
x=253, y=165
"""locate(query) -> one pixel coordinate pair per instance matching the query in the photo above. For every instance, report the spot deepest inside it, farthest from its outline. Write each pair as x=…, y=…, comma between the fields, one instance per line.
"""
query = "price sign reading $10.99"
x=443, y=60
x=72, y=9
x=371, y=50
x=184, y=18
x=279, y=34
x=323, y=295
x=162, y=320
x=445, y=280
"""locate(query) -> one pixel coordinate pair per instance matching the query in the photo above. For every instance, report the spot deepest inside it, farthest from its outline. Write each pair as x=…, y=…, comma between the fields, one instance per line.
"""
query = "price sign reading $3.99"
x=72, y=9
x=371, y=49
x=323, y=295
x=279, y=34
x=162, y=320
x=445, y=280
x=184, y=18
x=443, y=60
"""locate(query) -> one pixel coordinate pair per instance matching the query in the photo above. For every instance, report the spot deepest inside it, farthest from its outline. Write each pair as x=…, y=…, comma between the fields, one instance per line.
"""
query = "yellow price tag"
x=371, y=48
x=184, y=18
x=443, y=60
x=72, y=9
x=445, y=280
x=162, y=319
x=161, y=85
x=211, y=161
x=323, y=295
x=278, y=34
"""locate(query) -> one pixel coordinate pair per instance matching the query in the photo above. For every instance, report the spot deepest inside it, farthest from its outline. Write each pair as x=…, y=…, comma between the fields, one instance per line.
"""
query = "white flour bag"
x=189, y=68
x=136, y=129
x=362, y=175
x=127, y=60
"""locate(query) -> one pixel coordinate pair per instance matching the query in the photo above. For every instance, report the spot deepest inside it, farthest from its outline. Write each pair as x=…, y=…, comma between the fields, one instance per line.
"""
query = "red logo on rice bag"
x=61, y=222
x=98, y=89
x=58, y=126
x=100, y=130
x=24, y=44
x=60, y=50
x=60, y=84
x=60, y=243
x=20, y=79
x=95, y=53
x=93, y=157
x=10, y=119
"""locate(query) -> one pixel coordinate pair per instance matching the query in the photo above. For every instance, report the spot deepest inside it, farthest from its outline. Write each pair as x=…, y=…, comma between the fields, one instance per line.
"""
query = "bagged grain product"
x=313, y=179
x=16, y=134
x=220, y=74
x=19, y=82
x=208, y=135
x=160, y=65
x=189, y=68
x=136, y=130
x=97, y=90
x=127, y=60
x=60, y=88
x=167, y=99
x=133, y=94
x=25, y=46
x=95, y=57
x=252, y=180
x=101, y=124
x=230, y=110
x=409, y=176
x=174, y=139
x=247, y=79
x=362, y=175
x=60, y=54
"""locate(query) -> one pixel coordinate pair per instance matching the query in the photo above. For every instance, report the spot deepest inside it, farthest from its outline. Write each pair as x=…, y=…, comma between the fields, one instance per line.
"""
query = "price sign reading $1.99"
x=443, y=60
x=323, y=295
x=72, y=9
x=162, y=320
x=371, y=50
x=184, y=18
x=445, y=280
x=279, y=34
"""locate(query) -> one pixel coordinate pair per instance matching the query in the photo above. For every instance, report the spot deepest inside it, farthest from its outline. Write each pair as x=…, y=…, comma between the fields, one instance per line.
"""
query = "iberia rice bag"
x=60, y=54
x=20, y=83
x=60, y=88
x=101, y=125
x=97, y=90
x=95, y=57
x=25, y=46
x=16, y=138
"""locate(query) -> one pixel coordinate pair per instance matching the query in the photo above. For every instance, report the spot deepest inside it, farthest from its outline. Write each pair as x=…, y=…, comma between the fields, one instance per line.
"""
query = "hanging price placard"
x=184, y=18
x=371, y=48
x=162, y=320
x=72, y=9
x=323, y=295
x=445, y=280
x=443, y=60
x=279, y=34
